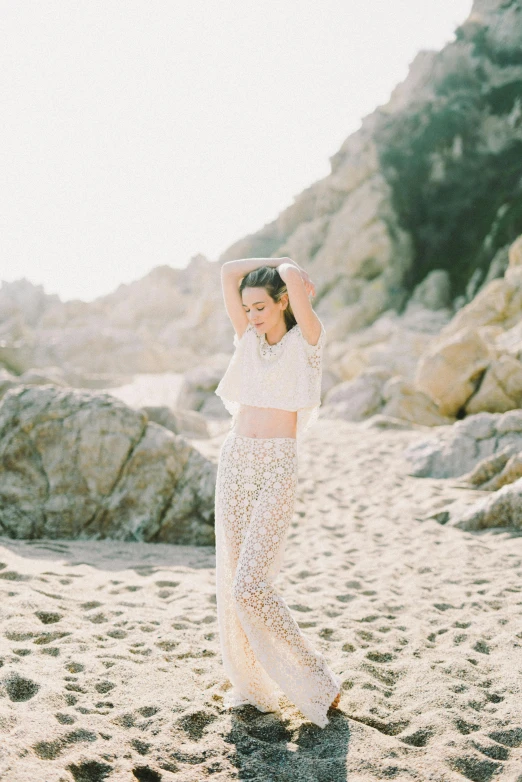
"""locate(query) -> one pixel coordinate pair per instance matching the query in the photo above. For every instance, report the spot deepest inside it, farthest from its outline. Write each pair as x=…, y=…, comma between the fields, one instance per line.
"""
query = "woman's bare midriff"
x=265, y=422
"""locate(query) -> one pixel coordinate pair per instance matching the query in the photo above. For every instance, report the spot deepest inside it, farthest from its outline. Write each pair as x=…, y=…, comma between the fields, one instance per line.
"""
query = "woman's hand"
x=309, y=285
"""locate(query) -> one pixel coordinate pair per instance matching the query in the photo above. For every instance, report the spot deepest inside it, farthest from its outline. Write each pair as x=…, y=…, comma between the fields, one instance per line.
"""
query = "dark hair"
x=268, y=277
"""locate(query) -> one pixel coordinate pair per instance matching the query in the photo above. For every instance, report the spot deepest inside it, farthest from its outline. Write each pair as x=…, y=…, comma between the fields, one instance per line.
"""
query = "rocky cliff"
x=414, y=220
x=431, y=180
x=414, y=241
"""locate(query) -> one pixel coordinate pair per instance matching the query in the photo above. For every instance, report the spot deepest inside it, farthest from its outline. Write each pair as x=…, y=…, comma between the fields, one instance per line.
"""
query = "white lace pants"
x=262, y=645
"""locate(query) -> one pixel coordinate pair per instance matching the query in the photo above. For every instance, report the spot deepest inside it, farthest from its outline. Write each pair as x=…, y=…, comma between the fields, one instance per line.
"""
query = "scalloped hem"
x=318, y=715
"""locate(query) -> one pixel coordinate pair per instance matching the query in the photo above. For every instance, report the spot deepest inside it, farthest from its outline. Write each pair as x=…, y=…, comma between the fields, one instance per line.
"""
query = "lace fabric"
x=263, y=649
x=286, y=375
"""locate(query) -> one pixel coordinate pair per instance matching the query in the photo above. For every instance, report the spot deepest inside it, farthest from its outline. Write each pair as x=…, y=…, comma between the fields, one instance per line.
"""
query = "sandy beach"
x=140, y=167
x=110, y=655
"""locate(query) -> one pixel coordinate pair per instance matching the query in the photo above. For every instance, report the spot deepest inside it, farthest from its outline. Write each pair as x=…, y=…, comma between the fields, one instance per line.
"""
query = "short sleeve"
x=313, y=350
x=237, y=340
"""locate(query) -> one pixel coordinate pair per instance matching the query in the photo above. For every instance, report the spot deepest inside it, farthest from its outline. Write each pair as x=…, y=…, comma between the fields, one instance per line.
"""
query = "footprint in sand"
x=167, y=584
x=146, y=774
x=104, y=687
x=118, y=634
x=383, y=675
x=473, y=768
x=97, y=619
x=195, y=723
x=65, y=719
x=46, y=638
x=19, y=688
x=52, y=651
x=418, y=739
x=89, y=771
x=12, y=575
x=380, y=657
x=73, y=667
x=142, y=747
x=492, y=751
x=48, y=617
x=509, y=738
x=49, y=750
x=13, y=635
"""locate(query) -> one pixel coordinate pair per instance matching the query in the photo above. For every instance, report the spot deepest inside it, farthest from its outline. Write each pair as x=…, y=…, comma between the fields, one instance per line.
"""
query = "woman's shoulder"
x=307, y=345
x=244, y=336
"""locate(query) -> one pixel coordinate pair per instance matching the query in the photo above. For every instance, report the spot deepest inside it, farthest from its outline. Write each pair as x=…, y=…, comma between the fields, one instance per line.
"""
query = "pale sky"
x=136, y=134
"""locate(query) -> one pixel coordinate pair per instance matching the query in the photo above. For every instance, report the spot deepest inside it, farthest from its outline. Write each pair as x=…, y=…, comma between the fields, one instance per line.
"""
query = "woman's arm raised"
x=300, y=290
x=243, y=266
x=232, y=273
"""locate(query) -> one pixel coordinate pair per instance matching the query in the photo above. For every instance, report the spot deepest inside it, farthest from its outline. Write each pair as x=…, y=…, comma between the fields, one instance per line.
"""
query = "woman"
x=272, y=388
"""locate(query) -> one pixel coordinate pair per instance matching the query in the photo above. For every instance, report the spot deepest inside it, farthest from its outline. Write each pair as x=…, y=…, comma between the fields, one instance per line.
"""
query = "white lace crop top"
x=286, y=375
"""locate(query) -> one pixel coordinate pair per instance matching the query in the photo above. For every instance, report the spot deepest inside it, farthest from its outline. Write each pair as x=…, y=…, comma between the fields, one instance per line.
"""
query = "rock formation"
x=475, y=363
x=414, y=242
x=157, y=324
x=501, y=509
x=431, y=181
x=78, y=464
x=420, y=205
x=456, y=450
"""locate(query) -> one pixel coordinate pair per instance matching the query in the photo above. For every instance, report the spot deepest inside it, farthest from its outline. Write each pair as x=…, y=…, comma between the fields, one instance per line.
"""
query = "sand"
x=110, y=652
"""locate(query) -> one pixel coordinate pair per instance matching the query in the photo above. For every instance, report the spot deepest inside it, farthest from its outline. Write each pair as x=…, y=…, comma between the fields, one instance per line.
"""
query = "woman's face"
x=261, y=309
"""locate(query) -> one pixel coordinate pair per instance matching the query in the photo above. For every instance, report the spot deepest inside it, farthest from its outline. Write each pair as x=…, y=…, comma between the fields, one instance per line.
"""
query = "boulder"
x=402, y=400
x=475, y=363
x=376, y=392
x=500, y=389
x=503, y=508
x=355, y=400
x=450, y=371
x=393, y=342
x=81, y=464
x=492, y=475
x=186, y=422
x=456, y=450
x=329, y=380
